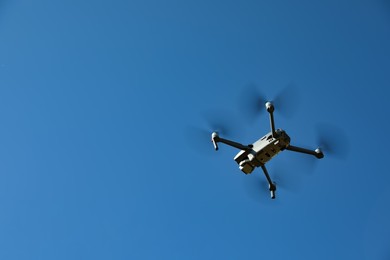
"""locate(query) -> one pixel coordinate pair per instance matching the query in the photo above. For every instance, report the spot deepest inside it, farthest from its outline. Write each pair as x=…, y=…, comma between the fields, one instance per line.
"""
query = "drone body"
x=263, y=150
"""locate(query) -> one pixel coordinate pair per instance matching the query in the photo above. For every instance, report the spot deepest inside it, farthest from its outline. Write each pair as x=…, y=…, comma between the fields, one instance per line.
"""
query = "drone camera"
x=246, y=167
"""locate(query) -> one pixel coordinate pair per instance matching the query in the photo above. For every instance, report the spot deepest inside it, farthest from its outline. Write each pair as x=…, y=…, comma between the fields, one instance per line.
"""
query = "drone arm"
x=272, y=187
x=270, y=108
x=218, y=139
x=272, y=122
x=317, y=153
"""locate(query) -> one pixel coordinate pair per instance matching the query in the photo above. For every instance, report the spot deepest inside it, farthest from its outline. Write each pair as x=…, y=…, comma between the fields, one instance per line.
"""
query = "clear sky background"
x=97, y=103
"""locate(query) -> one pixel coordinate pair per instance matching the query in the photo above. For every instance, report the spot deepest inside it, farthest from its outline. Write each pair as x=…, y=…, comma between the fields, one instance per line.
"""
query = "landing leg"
x=271, y=185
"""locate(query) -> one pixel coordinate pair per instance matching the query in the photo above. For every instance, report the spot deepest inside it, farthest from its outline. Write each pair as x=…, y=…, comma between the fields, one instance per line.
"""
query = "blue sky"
x=97, y=99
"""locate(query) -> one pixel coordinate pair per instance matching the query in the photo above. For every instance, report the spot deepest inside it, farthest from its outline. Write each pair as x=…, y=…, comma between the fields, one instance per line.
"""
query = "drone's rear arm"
x=270, y=108
x=271, y=185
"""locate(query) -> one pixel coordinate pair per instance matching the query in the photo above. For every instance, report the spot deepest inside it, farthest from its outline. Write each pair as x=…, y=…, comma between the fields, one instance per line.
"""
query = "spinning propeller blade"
x=220, y=121
x=287, y=100
x=286, y=178
x=256, y=188
x=256, y=185
x=199, y=139
x=333, y=141
x=252, y=101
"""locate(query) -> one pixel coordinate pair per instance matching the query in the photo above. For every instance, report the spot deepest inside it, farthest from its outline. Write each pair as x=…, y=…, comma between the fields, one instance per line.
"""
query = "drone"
x=263, y=150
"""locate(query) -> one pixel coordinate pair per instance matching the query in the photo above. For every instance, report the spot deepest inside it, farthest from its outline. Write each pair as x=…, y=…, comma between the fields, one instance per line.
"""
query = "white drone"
x=263, y=150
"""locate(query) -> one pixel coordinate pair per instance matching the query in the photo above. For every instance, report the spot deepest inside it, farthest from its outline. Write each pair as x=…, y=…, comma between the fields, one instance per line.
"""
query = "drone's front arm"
x=317, y=152
x=216, y=139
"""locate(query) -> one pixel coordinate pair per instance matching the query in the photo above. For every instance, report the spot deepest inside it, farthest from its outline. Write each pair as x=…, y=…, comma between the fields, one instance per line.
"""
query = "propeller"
x=286, y=178
x=333, y=141
x=221, y=121
x=287, y=100
x=252, y=101
x=257, y=187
